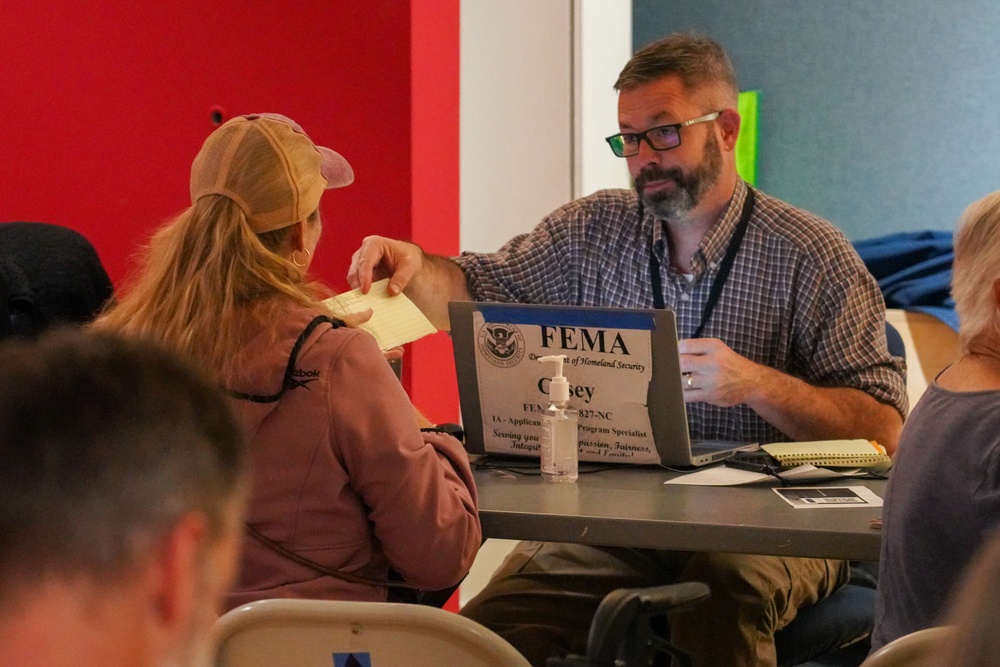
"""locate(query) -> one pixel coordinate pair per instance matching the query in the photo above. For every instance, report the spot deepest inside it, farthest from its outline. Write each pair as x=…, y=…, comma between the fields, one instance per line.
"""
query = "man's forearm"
x=438, y=281
x=805, y=412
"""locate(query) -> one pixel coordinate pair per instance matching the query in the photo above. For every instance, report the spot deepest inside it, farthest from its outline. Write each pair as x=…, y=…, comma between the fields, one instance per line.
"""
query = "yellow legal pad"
x=395, y=319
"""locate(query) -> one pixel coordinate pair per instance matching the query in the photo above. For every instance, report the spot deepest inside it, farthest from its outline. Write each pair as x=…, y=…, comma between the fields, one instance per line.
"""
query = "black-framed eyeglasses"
x=661, y=138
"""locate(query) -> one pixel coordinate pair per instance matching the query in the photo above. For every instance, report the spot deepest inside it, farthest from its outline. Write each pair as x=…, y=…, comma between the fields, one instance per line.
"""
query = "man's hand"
x=378, y=258
x=430, y=281
x=714, y=374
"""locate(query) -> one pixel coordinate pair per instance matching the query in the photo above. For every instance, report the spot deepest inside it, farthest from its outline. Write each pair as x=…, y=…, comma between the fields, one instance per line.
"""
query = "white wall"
x=603, y=44
x=536, y=103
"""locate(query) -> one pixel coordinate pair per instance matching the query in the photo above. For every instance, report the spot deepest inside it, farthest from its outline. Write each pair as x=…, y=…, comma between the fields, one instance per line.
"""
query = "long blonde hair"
x=207, y=283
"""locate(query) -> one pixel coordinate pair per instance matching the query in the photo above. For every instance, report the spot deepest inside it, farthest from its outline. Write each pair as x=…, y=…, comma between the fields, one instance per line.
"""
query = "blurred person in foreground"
x=974, y=615
x=346, y=487
x=943, y=497
x=123, y=476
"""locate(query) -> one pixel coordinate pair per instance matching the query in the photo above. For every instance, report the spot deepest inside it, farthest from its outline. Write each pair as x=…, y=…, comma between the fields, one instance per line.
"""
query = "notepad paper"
x=395, y=319
x=720, y=475
x=830, y=453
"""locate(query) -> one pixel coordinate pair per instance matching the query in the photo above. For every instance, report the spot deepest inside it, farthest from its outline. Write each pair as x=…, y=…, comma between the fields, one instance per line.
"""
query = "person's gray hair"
x=104, y=444
x=695, y=59
x=976, y=268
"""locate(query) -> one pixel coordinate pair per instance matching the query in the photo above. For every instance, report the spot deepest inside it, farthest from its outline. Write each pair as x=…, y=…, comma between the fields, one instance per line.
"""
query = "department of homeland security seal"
x=501, y=344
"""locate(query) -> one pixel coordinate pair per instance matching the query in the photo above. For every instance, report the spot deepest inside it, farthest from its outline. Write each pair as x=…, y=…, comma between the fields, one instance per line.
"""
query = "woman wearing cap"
x=346, y=486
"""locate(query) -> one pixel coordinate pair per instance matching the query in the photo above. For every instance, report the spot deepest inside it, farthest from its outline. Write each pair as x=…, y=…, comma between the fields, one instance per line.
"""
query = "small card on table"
x=813, y=497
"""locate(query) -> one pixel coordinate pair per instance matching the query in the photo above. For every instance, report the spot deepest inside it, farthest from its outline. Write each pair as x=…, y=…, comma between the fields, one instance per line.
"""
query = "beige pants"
x=544, y=595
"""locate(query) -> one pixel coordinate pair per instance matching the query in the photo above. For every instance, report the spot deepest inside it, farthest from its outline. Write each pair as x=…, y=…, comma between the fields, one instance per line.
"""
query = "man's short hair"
x=695, y=59
x=104, y=444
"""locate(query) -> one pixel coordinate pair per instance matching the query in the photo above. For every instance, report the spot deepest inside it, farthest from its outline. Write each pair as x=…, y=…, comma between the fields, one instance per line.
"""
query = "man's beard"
x=671, y=205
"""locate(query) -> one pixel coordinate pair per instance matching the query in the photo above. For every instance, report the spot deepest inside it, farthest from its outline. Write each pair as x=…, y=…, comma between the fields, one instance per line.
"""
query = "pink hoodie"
x=342, y=474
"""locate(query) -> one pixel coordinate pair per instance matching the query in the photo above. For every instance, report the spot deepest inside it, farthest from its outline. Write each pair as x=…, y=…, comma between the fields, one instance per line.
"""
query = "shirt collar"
x=713, y=246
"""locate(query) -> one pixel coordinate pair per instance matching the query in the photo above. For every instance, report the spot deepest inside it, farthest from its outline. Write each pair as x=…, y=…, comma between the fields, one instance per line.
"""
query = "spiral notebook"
x=830, y=453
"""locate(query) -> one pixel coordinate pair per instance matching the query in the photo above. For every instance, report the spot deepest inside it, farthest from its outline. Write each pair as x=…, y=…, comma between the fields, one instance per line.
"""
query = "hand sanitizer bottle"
x=559, y=435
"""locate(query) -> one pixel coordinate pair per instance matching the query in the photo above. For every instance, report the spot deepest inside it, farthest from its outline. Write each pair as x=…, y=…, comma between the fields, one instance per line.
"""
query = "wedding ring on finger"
x=690, y=382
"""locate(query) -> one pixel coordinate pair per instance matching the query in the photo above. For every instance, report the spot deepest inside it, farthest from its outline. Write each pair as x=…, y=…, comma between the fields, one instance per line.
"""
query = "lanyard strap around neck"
x=721, y=277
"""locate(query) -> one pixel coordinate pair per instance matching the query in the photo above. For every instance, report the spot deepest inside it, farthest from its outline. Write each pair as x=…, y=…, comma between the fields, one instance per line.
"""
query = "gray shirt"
x=798, y=298
x=942, y=503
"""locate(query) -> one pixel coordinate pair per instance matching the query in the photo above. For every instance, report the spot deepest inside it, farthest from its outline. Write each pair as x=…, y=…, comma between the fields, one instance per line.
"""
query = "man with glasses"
x=782, y=339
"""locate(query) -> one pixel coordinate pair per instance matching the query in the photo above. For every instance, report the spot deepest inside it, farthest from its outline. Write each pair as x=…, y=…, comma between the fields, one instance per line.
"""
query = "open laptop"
x=622, y=365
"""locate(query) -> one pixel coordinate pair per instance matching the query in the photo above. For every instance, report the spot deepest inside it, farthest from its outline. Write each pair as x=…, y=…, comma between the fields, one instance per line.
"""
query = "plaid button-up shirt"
x=798, y=298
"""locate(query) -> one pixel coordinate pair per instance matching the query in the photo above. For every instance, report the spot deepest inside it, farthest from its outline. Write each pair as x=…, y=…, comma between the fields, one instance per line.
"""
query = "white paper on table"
x=395, y=319
x=815, y=497
x=722, y=475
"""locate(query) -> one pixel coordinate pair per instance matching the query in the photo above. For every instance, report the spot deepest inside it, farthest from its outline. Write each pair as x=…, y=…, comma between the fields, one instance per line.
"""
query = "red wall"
x=105, y=107
x=435, y=174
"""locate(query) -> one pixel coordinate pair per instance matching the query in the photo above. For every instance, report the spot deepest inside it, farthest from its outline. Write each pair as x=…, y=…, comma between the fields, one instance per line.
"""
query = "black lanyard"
x=720, y=278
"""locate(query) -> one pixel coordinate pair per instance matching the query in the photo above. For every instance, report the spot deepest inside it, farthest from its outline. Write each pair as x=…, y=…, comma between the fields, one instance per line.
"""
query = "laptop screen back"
x=622, y=366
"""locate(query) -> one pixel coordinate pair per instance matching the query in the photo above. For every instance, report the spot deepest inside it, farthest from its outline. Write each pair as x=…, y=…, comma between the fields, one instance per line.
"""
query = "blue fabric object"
x=913, y=270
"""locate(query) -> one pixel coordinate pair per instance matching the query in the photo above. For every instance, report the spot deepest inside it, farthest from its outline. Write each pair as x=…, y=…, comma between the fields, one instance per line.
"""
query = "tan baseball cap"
x=269, y=166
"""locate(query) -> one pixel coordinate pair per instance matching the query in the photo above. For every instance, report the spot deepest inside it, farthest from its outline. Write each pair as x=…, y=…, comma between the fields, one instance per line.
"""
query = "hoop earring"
x=305, y=263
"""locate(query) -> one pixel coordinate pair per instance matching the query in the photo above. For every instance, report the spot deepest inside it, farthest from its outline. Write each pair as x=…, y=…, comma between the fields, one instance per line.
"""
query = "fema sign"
x=501, y=344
